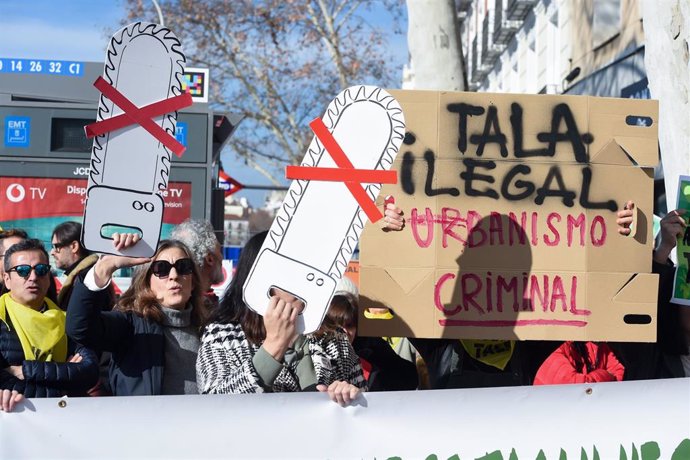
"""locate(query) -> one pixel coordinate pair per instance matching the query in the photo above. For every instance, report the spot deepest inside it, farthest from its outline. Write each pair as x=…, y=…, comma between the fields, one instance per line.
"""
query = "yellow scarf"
x=495, y=353
x=42, y=335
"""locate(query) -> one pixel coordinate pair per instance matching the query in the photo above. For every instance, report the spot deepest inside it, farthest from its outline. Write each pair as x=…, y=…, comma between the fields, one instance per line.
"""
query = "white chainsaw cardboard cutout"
x=129, y=166
x=318, y=226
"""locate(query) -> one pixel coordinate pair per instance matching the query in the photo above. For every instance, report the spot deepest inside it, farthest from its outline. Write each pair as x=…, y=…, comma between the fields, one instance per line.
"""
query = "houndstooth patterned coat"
x=224, y=363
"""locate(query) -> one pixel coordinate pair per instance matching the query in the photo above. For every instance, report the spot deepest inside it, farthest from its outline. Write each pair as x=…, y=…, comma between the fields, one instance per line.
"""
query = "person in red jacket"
x=580, y=362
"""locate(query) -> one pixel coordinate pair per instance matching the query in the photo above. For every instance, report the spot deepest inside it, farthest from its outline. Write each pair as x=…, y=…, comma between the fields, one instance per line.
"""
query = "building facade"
x=593, y=47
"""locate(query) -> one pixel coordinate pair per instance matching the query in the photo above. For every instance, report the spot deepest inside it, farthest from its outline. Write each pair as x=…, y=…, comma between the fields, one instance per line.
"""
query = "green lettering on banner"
x=682, y=451
x=648, y=451
x=635, y=455
x=495, y=455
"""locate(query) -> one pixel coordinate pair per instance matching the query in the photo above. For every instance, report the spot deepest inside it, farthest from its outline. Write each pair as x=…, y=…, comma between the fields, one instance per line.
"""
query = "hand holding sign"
x=109, y=264
x=280, y=318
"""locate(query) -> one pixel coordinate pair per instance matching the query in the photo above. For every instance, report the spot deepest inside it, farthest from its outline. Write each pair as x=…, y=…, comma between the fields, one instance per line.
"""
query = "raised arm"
x=672, y=227
x=86, y=323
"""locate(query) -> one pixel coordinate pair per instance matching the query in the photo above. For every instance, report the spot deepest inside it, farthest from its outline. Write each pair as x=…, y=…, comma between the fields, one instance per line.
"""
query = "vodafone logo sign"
x=15, y=193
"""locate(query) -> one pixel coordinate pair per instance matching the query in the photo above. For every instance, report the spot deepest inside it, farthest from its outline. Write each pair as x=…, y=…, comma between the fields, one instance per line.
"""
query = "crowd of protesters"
x=168, y=334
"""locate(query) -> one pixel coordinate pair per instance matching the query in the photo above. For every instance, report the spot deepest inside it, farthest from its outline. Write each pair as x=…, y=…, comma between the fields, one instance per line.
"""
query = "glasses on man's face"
x=161, y=268
x=24, y=270
x=57, y=246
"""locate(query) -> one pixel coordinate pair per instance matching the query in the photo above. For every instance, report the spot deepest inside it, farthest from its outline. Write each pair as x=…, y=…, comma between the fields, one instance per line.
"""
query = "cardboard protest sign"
x=511, y=204
x=134, y=136
x=681, y=284
x=317, y=228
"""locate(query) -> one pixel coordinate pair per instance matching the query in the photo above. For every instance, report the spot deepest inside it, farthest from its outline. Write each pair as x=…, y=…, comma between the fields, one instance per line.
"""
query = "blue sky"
x=78, y=30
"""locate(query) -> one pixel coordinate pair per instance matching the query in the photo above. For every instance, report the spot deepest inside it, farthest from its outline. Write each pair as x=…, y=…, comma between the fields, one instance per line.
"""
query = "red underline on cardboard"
x=348, y=171
x=512, y=323
x=139, y=115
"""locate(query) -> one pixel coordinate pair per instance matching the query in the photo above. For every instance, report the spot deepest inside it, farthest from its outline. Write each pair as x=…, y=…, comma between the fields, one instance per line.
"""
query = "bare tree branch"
x=279, y=62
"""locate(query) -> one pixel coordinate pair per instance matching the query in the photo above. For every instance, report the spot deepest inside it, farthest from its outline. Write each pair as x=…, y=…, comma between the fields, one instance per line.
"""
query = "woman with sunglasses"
x=153, y=331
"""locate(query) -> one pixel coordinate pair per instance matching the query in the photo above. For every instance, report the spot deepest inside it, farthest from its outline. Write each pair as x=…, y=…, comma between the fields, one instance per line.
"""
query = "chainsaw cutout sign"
x=134, y=136
x=317, y=228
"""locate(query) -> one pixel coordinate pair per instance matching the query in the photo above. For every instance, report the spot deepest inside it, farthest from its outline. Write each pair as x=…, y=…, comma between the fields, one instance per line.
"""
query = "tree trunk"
x=667, y=60
x=433, y=38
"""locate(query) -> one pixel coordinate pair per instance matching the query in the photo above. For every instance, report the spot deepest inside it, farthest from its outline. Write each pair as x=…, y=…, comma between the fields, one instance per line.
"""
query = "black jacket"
x=45, y=379
x=389, y=372
x=136, y=343
x=450, y=366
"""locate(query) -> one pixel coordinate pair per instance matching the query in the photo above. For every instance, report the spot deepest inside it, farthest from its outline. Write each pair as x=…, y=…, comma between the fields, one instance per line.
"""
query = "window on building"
x=607, y=21
x=514, y=76
x=553, y=36
x=532, y=63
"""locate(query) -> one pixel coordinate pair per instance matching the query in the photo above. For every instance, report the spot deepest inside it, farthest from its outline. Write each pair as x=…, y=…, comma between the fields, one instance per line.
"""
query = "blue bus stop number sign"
x=17, y=131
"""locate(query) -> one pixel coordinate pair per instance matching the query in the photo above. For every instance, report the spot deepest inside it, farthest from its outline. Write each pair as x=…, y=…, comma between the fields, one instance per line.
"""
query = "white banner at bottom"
x=644, y=420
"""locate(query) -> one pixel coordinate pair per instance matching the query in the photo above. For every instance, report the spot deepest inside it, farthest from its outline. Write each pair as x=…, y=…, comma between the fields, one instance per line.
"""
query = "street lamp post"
x=160, y=13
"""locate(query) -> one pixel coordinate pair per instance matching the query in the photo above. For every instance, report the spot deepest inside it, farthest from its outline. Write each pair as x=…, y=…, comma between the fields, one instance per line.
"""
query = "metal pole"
x=264, y=187
x=160, y=13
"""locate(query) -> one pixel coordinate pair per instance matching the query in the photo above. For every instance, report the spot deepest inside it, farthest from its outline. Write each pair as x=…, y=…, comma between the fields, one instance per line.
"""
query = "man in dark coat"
x=36, y=357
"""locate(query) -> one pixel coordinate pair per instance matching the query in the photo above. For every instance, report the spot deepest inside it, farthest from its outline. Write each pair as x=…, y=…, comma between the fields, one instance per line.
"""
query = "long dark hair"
x=341, y=314
x=232, y=308
x=587, y=365
x=140, y=300
x=69, y=231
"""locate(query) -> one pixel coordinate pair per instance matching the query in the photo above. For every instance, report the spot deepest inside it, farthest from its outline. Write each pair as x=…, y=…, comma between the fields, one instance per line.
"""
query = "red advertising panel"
x=37, y=205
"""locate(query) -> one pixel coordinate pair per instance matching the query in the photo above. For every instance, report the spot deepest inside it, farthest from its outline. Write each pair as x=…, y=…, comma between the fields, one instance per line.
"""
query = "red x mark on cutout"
x=139, y=115
x=345, y=172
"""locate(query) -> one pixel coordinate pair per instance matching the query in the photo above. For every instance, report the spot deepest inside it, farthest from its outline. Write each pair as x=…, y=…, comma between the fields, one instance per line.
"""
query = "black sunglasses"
x=161, y=268
x=24, y=270
x=58, y=246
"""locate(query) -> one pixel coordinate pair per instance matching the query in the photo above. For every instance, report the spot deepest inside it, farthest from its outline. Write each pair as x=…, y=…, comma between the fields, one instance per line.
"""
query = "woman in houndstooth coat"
x=243, y=352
